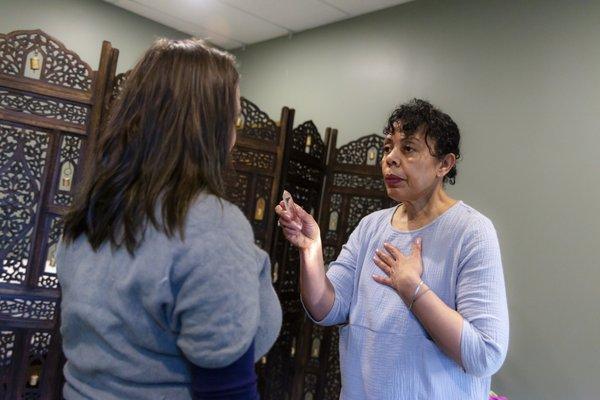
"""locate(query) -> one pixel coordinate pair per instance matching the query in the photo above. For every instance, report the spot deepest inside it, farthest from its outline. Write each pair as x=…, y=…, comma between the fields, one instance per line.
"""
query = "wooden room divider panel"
x=302, y=175
x=51, y=104
x=257, y=158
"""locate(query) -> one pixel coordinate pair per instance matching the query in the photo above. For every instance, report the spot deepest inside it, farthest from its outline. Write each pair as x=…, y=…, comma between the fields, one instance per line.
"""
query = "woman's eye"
x=408, y=149
x=386, y=149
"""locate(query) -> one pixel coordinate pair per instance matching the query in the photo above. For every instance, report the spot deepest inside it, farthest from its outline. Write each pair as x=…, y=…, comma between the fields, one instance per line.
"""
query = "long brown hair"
x=167, y=139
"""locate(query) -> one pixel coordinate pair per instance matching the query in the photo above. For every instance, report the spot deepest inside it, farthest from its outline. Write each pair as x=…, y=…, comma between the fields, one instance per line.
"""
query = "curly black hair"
x=437, y=125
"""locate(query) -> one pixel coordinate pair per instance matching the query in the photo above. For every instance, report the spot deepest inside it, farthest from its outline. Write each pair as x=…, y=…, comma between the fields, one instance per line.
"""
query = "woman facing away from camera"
x=418, y=289
x=164, y=294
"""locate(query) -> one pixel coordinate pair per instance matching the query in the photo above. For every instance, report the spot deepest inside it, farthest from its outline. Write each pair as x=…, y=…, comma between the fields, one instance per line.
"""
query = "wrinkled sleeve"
x=216, y=291
x=341, y=275
x=481, y=300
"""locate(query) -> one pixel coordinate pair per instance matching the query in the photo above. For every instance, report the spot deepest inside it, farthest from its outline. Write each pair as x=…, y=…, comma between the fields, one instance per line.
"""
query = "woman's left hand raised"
x=403, y=272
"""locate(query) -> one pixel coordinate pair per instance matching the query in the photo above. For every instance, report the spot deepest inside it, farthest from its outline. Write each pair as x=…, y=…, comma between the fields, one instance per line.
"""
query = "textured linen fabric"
x=385, y=353
x=130, y=323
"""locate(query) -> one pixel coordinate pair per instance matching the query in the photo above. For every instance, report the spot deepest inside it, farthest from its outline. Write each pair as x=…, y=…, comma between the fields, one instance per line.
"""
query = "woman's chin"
x=395, y=194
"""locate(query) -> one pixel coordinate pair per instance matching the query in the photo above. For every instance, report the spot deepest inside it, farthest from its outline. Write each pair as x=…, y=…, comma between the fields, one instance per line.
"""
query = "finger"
x=382, y=265
x=395, y=253
x=416, y=247
x=290, y=224
x=386, y=258
x=383, y=280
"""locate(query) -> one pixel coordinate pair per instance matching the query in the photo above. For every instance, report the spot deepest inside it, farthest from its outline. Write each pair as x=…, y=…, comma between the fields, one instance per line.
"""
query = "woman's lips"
x=393, y=180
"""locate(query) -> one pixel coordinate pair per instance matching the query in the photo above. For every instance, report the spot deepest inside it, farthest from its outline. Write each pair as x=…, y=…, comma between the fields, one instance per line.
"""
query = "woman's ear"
x=446, y=164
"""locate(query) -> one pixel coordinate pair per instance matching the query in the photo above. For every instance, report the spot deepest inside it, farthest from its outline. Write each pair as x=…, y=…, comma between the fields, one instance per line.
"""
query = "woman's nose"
x=392, y=159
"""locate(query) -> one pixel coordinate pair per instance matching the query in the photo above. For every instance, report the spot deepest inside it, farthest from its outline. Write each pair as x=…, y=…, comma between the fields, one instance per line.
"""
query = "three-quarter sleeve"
x=481, y=301
x=217, y=302
x=341, y=274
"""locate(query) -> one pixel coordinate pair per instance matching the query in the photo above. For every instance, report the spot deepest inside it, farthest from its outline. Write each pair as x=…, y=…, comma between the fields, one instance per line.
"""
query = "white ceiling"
x=237, y=23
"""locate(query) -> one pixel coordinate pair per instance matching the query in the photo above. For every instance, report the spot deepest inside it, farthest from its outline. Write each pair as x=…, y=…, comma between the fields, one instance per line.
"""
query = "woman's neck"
x=414, y=214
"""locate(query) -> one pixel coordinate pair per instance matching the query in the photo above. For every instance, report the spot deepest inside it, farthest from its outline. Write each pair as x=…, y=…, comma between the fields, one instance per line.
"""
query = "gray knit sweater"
x=130, y=323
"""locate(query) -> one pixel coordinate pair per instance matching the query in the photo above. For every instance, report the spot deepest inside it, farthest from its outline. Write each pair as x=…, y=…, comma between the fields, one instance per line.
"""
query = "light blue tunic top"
x=130, y=324
x=385, y=353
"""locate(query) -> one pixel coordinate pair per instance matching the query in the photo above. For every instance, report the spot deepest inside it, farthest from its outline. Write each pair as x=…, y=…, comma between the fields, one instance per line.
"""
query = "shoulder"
x=474, y=223
x=215, y=215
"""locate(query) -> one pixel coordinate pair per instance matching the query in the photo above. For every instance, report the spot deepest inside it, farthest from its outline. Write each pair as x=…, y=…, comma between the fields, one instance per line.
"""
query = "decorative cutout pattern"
x=335, y=205
x=7, y=345
x=333, y=380
x=356, y=152
x=358, y=181
x=310, y=386
x=315, y=144
x=22, y=162
x=361, y=207
x=329, y=254
x=54, y=109
x=47, y=278
x=304, y=172
x=59, y=67
x=262, y=191
x=7, y=348
x=236, y=188
x=257, y=124
x=253, y=159
x=69, y=152
x=38, y=350
x=42, y=310
x=119, y=82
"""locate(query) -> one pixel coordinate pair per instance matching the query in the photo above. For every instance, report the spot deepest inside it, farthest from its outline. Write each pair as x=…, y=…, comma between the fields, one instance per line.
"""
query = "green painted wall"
x=522, y=80
x=82, y=25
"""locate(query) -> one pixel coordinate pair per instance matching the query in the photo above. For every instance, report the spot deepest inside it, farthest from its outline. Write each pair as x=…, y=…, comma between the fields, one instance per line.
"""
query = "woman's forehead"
x=400, y=135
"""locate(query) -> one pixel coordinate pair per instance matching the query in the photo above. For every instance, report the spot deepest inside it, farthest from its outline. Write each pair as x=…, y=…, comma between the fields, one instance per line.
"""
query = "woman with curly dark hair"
x=418, y=289
x=164, y=294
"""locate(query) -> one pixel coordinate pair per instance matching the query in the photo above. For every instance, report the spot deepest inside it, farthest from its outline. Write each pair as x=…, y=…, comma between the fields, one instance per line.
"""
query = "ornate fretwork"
x=253, y=159
x=70, y=149
x=48, y=277
x=42, y=310
x=39, y=346
x=22, y=164
x=44, y=107
x=335, y=206
x=361, y=207
x=333, y=383
x=289, y=281
x=280, y=360
x=256, y=124
x=358, y=181
x=118, y=84
x=356, y=152
x=315, y=346
x=329, y=254
x=304, y=172
x=310, y=387
x=59, y=66
x=7, y=346
x=236, y=188
x=313, y=145
x=262, y=197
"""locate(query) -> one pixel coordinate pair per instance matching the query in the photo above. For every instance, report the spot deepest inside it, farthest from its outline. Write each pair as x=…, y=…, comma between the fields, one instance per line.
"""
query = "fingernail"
x=419, y=240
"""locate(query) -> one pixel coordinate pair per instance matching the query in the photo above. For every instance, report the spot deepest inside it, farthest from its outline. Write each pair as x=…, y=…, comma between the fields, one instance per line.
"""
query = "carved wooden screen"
x=50, y=105
x=257, y=157
x=354, y=188
x=302, y=175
